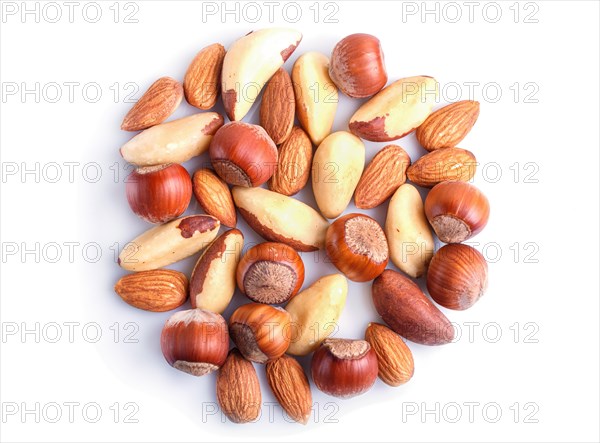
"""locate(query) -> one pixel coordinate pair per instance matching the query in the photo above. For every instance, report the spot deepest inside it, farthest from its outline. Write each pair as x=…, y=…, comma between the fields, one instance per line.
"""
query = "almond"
x=397, y=110
x=404, y=307
x=293, y=164
x=214, y=196
x=238, y=389
x=394, y=359
x=201, y=83
x=447, y=164
x=385, y=174
x=158, y=290
x=290, y=386
x=448, y=126
x=156, y=105
x=169, y=243
x=277, y=107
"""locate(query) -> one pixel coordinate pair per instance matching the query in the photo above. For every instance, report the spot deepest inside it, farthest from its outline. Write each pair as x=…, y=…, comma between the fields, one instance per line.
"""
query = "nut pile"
x=279, y=155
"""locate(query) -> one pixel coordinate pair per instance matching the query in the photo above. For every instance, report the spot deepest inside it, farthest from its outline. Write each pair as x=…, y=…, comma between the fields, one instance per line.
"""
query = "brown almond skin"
x=278, y=107
x=158, y=290
x=290, y=386
x=156, y=105
x=214, y=196
x=201, y=83
x=408, y=312
x=382, y=177
x=293, y=164
x=448, y=126
x=238, y=389
x=395, y=361
x=447, y=164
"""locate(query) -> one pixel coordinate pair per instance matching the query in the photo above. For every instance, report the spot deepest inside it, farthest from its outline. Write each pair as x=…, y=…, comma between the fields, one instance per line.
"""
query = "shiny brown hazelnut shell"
x=457, y=276
x=160, y=193
x=357, y=246
x=456, y=211
x=344, y=368
x=261, y=332
x=195, y=341
x=357, y=66
x=243, y=154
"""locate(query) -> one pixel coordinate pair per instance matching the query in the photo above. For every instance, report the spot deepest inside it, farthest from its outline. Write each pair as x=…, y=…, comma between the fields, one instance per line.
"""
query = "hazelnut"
x=195, y=341
x=357, y=66
x=270, y=273
x=457, y=276
x=243, y=154
x=357, y=246
x=261, y=332
x=160, y=193
x=456, y=211
x=344, y=368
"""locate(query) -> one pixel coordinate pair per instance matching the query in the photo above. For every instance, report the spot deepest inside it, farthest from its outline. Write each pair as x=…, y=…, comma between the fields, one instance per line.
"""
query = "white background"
x=547, y=374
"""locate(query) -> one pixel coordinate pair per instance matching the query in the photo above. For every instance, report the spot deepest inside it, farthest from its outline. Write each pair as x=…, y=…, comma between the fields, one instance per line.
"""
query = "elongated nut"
x=158, y=290
x=394, y=359
x=261, y=332
x=337, y=166
x=290, y=386
x=201, y=82
x=397, y=110
x=214, y=196
x=316, y=95
x=169, y=243
x=315, y=313
x=448, y=126
x=441, y=165
x=270, y=273
x=173, y=142
x=212, y=284
x=156, y=105
x=408, y=233
x=408, y=312
x=385, y=174
x=249, y=64
x=277, y=107
x=281, y=219
x=238, y=389
x=293, y=164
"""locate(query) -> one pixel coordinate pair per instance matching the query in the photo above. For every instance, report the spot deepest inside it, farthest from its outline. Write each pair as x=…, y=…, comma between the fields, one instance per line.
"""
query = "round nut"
x=270, y=273
x=357, y=246
x=243, y=154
